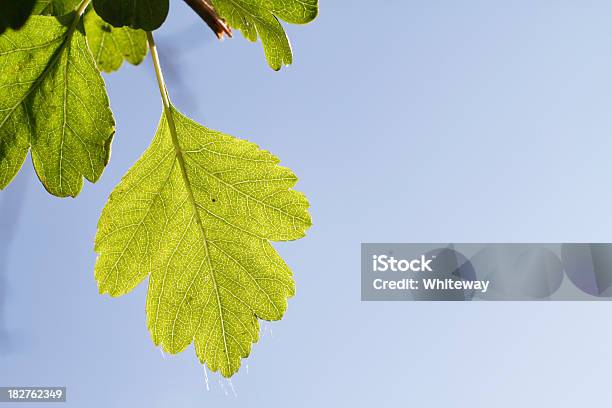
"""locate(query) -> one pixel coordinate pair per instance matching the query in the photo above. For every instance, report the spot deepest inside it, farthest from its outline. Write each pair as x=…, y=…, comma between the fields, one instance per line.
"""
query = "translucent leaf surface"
x=261, y=18
x=54, y=102
x=197, y=214
x=55, y=7
x=111, y=45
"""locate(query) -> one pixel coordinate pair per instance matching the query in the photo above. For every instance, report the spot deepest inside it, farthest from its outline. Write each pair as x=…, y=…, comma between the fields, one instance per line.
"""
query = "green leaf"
x=196, y=214
x=52, y=100
x=111, y=45
x=55, y=7
x=145, y=14
x=14, y=13
x=260, y=17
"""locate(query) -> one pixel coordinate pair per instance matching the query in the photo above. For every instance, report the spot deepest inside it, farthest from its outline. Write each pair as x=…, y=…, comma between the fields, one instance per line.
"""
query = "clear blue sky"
x=417, y=121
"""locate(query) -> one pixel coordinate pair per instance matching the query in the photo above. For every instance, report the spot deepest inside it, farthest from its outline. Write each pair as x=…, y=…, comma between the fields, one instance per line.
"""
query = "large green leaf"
x=111, y=45
x=145, y=14
x=14, y=13
x=260, y=17
x=196, y=214
x=52, y=100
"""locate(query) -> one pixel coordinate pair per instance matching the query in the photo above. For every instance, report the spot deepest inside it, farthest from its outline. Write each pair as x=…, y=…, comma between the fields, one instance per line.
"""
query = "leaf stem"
x=79, y=13
x=158, y=72
x=82, y=7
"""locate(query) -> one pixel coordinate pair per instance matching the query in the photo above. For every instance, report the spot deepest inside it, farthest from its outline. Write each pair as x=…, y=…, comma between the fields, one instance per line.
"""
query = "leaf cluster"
x=198, y=213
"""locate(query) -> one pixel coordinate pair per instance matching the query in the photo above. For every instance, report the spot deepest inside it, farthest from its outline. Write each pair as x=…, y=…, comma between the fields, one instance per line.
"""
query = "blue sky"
x=411, y=121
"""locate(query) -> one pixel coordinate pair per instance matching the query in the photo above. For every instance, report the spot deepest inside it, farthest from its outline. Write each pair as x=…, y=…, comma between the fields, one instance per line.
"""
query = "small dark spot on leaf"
x=106, y=28
x=214, y=200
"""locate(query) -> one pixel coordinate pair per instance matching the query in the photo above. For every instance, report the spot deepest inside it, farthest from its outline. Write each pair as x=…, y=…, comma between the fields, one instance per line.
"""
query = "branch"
x=210, y=17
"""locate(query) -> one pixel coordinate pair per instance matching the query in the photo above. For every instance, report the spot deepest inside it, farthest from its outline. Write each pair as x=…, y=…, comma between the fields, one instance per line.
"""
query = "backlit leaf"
x=55, y=7
x=111, y=45
x=197, y=214
x=54, y=102
x=260, y=18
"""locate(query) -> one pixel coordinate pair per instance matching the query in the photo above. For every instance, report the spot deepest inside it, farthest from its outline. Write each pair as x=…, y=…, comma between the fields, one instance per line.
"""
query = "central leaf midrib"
x=168, y=111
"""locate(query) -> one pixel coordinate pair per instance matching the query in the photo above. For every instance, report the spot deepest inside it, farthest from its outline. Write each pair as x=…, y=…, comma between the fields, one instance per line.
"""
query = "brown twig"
x=206, y=11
